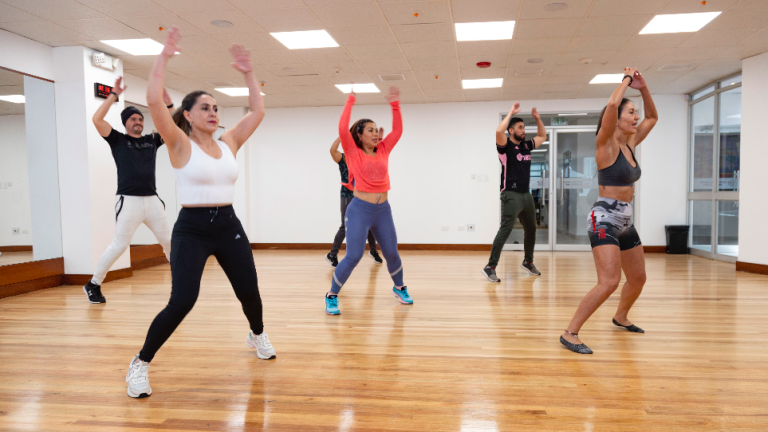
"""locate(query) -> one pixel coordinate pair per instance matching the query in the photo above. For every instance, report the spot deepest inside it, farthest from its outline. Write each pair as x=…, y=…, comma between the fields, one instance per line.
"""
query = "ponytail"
x=186, y=105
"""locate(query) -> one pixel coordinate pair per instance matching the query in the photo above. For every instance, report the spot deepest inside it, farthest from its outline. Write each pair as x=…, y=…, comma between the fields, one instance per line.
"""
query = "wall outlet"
x=462, y=228
x=16, y=231
x=470, y=227
x=444, y=228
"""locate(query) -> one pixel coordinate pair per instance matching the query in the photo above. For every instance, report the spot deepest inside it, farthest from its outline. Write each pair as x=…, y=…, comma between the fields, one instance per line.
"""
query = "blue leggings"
x=361, y=217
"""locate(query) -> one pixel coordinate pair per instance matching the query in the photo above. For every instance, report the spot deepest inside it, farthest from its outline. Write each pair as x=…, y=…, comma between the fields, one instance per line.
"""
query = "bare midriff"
x=372, y=197
x=621, y=193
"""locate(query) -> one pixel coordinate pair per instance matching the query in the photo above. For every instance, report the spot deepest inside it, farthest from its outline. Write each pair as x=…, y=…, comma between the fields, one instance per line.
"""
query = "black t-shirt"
x=515, y=165
x=135, y=160
x=345, y=193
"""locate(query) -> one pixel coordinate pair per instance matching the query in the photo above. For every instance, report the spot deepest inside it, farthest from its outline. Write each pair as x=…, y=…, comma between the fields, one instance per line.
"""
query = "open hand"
x=118, y=89
x=172, y=42
x=381, y=133
x=394, y=94
x=535, y=113
x=515, y=108
x=242, y=58
x=638, y=80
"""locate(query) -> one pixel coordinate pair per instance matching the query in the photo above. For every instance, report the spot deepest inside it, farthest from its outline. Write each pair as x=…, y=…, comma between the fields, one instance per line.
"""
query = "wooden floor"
x=469, y=355
x=8, y=258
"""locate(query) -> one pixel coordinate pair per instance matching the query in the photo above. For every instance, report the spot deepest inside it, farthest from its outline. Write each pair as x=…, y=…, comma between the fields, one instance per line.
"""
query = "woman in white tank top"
x=206, y=171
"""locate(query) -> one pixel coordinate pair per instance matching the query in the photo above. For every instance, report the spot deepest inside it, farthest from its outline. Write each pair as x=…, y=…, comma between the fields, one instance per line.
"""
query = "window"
x=715, y=140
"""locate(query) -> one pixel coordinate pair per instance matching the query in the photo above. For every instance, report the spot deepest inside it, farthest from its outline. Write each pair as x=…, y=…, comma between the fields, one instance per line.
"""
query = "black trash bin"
x=677, y=239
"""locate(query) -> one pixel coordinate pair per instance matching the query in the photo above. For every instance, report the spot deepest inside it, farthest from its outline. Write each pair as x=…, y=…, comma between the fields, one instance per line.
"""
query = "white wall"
x=25, y=55
x=14, y=200
x=294, y=184
x=753, y=205
x=661, y=195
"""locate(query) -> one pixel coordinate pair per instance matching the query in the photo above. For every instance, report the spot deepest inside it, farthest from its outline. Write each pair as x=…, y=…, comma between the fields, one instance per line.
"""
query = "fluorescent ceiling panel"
x=607, y=79
x=234, y=91
x=358, y=88
x=306, y=39
x=482, y=83
x=19, y=99
x=136, y=47
x=571, y=114
x=493, y=30
x=679, y=23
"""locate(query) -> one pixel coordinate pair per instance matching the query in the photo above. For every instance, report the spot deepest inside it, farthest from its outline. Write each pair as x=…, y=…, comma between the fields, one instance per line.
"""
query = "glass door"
x=575, y=187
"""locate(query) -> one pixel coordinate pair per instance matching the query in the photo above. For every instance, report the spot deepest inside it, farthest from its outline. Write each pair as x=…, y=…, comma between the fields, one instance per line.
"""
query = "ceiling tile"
x=283, y=70
x=251, y=41
x=328, y=99
x=557, y=95
x=8, y=78
x=201, y=44
x=595, y=92
x=313, y=86
x=375, y=52
x=749, y=19
x=518, y=95
x=718, y=37
x=43, y=31
x=313, y=3
x=476, y=95
x=723, y=67
x=355, y=15
x=428, y=49
x=694, y=53
x=11, y=14
x=279, y=89
x=133, y=62
x=527, y=74
x=428, y=11
x=180, y=60
x=596, y=56
x=477, y=73
x=329, y=68
x=182, y=7
x=597, y=43
x=634, y=56
x=433, y=63
x=495, y=48
x=540, y=46
x=536, y=9
x=122, y=8
x=750, y=5
x=690, y=6
x=612, y=25
x=363, y=36
x=55, y=9
x=447, y=79
x=465, y=11
x=546, y=28
x=281, y=56
x=625, y=7
x=102, y=29
x=197, y=73
x=151, y=25
x=469, y=62
x=266, y=4
x=577, y=69
x=570, y=79
x=322, y=54
x=218, y=58
x=423, y=32
x=285, y=20
x=652, y=41
x=564, y=87
x=240, y=22
x=618, y=66
x=384, y=66
x=738, y=52
x=347, y=77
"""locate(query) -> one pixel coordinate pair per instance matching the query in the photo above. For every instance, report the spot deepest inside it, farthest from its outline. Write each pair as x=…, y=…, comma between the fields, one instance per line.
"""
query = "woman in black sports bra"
x=611, y=232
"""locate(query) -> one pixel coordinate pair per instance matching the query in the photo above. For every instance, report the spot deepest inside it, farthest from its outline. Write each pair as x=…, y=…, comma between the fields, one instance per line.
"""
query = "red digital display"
x=102, y=90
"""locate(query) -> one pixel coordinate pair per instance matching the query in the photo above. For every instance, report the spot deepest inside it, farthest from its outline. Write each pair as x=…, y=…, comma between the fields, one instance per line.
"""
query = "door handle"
x=562, y=186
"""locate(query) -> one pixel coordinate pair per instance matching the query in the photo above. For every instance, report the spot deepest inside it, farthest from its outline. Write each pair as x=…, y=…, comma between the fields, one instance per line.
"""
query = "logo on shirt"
x=522, y=157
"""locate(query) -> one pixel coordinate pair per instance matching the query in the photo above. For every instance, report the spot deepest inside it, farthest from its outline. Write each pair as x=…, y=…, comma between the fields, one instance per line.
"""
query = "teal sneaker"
x=402, y=295
x=332, y=305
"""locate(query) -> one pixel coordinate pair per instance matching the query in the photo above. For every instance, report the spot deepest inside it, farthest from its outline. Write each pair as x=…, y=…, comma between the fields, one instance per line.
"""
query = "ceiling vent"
x=528, y=72
x=392, y=77
x=221, y=83
x=674, y=67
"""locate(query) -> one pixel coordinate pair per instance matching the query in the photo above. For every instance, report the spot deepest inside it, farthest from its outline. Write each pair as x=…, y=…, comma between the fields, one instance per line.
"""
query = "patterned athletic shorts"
x=610, y=223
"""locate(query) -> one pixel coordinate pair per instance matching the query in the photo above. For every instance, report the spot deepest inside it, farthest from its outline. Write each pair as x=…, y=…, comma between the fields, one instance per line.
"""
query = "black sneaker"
x=93, y=292
x=332, y=260
x=375, y=255
x=490, y=273
x=530, y=268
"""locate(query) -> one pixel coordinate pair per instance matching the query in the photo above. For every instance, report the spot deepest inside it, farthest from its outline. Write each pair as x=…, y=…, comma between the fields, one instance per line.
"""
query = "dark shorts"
x=610, y=223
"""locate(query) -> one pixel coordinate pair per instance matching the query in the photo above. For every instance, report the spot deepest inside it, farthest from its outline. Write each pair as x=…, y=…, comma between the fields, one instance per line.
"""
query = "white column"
x=753, y=200
x=87, y=173
x=40, y=122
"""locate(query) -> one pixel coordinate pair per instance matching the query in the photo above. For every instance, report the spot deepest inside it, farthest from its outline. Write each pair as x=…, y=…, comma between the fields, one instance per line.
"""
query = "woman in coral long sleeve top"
x=368, y=162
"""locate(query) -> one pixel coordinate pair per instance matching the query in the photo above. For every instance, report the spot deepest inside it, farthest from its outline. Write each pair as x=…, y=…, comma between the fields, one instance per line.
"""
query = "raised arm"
x=501, y=136
x=391, y=140
x=651, y=114
x=238, y=135
x=347, y=143
x=335, y=153
x=102, y=125
x=611, y=116
x=171, y=134
x=541, y=131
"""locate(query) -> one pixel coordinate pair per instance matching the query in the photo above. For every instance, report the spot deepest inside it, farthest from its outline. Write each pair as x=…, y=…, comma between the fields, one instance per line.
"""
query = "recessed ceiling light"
x=136, y=46
x=234, y=91
x=358, y=88
x=221, y=23
x=679, y=23
x=482, y=83
x=607, y=79
x=19, y=99
x=493, y=30
x=535, y=60
x=554, y=7
x=305, y=39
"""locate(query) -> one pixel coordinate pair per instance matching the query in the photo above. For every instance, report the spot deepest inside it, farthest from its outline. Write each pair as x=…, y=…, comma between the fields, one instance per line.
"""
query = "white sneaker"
x=138, y=379
x=264, y=348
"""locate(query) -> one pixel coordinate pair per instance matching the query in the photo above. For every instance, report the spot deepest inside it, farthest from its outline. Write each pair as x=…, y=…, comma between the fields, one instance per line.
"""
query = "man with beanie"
x=136, y=201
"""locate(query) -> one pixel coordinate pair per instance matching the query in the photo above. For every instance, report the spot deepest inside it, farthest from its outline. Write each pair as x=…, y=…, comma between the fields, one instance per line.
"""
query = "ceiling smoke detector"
x=536, y=60
x=483, y=65
x=392, y=77
x=555, y=7
x=221, y=23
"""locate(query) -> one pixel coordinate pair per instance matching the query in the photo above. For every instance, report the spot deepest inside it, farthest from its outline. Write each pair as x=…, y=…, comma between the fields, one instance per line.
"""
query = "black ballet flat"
x=577, y=348
x=633, y=328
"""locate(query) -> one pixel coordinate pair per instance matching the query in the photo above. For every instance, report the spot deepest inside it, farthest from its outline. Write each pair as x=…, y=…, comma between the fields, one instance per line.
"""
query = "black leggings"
x=198, y=234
